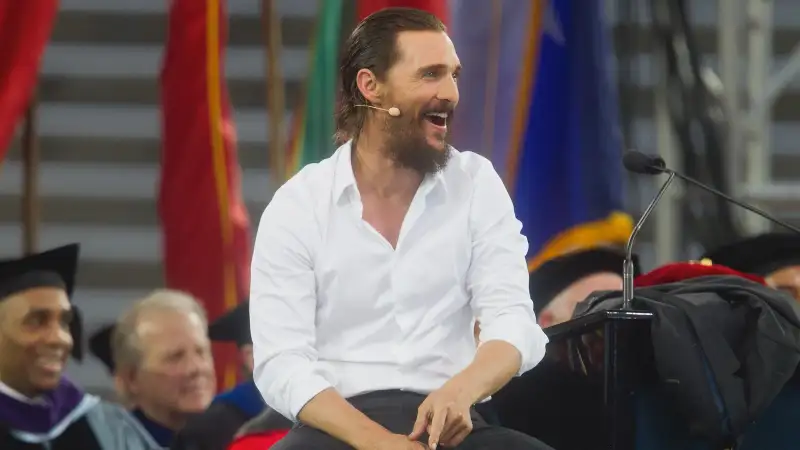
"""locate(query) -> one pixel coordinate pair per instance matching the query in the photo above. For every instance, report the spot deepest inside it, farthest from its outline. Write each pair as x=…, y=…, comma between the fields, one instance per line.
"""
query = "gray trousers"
x=397, y=411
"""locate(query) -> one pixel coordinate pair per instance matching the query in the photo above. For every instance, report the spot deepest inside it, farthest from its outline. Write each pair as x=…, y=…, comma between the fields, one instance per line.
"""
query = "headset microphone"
x=393, y=111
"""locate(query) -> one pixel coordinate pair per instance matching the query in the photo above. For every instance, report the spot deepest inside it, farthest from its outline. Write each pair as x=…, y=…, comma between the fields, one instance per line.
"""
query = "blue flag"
x=564, y=168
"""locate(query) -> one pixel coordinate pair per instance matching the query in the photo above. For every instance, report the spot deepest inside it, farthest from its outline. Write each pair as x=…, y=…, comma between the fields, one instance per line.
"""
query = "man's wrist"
x=466, y=387
x=369, y=439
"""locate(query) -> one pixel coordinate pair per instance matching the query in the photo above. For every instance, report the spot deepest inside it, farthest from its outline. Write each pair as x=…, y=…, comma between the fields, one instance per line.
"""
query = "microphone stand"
x=627, y=268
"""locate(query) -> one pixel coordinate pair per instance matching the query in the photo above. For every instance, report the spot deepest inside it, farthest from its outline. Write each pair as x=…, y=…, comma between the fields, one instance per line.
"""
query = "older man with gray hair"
x=163, y=362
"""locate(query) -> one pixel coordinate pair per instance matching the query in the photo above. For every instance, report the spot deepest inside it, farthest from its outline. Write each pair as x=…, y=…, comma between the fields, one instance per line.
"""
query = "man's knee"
x=307, y=438
x=505, y=438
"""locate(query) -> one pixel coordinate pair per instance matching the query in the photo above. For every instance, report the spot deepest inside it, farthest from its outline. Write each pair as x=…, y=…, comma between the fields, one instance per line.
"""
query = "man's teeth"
x=443, y=115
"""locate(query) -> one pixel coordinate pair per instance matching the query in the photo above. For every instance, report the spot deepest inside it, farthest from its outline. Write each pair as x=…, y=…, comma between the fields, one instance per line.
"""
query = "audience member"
x=162, y=359
x=773, y=256
x=215, y=428
x=39, y=408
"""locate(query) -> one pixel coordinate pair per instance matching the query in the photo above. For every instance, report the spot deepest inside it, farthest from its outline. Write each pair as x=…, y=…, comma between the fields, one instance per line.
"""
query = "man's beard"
x=408, y=145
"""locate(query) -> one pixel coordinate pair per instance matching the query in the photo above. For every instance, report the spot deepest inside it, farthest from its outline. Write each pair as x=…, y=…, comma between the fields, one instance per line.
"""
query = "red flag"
x=436, y=7
x=206, y=235
x=25, y=28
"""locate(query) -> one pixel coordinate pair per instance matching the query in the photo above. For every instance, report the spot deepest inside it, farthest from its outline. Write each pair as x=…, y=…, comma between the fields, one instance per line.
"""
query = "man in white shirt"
x=370, y=266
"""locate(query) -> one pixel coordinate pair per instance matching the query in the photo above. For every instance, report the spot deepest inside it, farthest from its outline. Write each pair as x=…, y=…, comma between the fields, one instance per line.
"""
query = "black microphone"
x=641, y=163
x=638, y=162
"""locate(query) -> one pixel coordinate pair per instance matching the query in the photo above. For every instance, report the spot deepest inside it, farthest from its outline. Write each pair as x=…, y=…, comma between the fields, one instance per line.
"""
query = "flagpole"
x=276, y=103
x=493, y=69
x=30, y=194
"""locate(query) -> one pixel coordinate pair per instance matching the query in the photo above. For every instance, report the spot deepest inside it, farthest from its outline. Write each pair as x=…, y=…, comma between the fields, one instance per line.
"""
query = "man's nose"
x=197, y=363
x=448, y=90
x=59, y=335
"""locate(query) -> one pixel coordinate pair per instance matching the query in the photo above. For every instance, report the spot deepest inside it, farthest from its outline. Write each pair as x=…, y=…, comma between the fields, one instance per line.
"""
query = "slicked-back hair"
x=373, y=45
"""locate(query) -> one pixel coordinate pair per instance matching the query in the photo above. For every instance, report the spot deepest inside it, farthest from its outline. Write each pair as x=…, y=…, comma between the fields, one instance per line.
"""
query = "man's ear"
x=369, y=86
x=125, y=385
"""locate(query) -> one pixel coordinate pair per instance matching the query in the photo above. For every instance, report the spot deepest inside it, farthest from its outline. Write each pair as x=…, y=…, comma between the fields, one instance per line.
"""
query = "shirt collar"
x=345, y=178
x=343, y=175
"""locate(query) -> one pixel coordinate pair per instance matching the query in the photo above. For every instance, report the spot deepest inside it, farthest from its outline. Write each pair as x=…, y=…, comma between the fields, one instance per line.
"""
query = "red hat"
x=674, y=272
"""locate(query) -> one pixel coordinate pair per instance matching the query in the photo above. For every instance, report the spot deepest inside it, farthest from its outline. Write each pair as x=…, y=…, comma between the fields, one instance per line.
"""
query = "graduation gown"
x=69, y=419
x=215, y=428
x=161, y=435
x=258, y=441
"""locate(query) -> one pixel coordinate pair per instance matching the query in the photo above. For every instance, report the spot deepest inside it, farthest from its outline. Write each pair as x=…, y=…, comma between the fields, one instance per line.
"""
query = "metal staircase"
x=99, y=141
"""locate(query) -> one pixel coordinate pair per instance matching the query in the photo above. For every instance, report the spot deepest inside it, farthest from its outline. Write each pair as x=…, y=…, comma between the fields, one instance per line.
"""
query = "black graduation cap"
x=233, y=326
x=100, y=346
x=555, y=275
x=52, y=268
x=759, y=255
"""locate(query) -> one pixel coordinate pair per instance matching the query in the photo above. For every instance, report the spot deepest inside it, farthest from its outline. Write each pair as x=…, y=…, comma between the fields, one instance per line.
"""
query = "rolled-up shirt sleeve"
x=283, y=305
x=498, y=281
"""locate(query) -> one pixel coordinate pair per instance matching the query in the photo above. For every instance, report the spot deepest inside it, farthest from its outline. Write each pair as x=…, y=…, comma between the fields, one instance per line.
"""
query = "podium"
x=597, y=389
x=582, y=394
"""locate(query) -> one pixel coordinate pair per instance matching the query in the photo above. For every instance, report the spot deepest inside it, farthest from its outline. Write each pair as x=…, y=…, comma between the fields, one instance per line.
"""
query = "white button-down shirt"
x=332, y=304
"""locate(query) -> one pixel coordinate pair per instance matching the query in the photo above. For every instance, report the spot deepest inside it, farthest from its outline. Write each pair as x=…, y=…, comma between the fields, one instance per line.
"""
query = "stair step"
x=112, y=181
x=291, y=8
x=119, y=275
x=113, y=27
x=112, y=258
x=104, y=304
x=89, y=59
x=121, y=244
x=91, y=212
x=111, y=150
x=121, y=121
x=250, y=93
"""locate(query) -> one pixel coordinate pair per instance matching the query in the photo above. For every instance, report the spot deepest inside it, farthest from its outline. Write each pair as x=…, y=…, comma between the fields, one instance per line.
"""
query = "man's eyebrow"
x=437, y=68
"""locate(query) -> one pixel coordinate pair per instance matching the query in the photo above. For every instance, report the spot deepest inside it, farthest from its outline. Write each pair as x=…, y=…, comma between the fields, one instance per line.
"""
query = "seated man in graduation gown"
x=39, y=408
x=161, y=361
x=216, y=427
x=773, y=256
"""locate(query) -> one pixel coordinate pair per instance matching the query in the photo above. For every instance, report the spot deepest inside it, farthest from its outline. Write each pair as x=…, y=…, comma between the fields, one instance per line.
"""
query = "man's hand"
x=391, y=441
x=445, y=415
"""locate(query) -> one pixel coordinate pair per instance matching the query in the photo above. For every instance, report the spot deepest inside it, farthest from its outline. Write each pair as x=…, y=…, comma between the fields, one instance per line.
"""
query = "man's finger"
x=421, y=424
x=459, y=438
x=450, y=432
x=459, y=424
x=437, y=426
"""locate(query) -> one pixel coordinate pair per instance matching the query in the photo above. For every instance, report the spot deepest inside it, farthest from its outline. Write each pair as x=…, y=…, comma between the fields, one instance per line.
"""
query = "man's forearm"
x=495, y=364
x=330, y=412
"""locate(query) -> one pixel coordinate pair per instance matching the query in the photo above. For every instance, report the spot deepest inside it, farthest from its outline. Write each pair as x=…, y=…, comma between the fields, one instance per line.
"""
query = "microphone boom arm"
x=750, y=208
x=627, y=269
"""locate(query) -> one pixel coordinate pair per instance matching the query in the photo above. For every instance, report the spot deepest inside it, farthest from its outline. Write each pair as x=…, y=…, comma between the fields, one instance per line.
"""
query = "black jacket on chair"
x=724, y=347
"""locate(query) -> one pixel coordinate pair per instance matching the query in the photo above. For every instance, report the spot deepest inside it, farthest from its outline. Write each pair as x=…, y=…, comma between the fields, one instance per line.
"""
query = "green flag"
x=311, y=139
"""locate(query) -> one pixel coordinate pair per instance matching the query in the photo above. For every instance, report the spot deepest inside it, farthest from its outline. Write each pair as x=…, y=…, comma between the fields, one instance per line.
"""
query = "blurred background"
x=708, y=85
